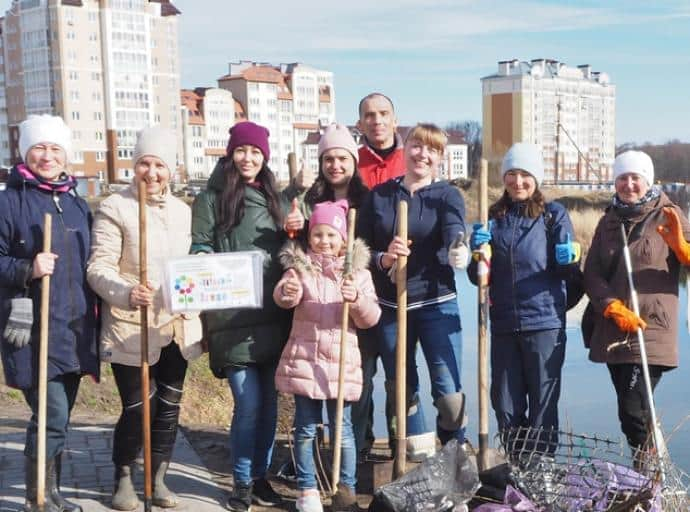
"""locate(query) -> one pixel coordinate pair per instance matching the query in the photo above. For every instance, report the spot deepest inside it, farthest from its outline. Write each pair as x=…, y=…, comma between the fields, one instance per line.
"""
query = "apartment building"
x=291, y=100
x=108, y=67
x=452, y=167
x=207, y=114
x=5, y=161
x=568, y=111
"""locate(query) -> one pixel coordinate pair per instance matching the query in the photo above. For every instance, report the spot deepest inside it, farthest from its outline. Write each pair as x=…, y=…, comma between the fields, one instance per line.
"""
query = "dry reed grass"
x=584, y=223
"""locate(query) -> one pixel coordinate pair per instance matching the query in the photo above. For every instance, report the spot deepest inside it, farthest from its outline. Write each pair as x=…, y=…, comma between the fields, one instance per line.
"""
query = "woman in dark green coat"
x=241, y=210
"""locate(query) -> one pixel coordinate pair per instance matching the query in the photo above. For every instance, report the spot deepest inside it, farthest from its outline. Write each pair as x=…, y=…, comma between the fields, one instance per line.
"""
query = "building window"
x=75, y=115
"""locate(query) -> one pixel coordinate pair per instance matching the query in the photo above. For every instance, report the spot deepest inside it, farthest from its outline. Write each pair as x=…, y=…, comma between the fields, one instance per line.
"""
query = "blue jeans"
x=60, y=396
x=437, y=327
x=308, y=415
x=253, y=427
x=526, y=371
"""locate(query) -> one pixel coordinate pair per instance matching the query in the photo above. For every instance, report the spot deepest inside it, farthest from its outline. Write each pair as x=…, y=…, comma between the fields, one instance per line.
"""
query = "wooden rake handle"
x=340, y=402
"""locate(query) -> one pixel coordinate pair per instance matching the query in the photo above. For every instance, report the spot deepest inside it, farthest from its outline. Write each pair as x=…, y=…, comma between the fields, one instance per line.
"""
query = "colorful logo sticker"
x=184, y=285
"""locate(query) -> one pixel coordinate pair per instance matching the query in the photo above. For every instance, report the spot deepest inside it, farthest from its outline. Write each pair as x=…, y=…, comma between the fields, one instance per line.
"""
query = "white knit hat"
x=159, y=142
x=637, y=162
x=526, y=157
x=44, y=128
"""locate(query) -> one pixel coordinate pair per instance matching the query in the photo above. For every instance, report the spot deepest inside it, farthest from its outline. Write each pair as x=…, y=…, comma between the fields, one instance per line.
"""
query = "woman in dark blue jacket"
x=435, y=222
x=38, y=186
x=531, y=254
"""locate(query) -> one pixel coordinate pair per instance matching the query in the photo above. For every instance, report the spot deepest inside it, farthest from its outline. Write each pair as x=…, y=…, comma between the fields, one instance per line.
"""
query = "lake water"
x=588, y=401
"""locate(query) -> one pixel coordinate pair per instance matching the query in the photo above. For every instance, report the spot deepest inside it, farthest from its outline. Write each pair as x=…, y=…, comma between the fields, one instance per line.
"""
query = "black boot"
x=67, y=506
x=30, y=478
x=163, y=433
x=162, y=496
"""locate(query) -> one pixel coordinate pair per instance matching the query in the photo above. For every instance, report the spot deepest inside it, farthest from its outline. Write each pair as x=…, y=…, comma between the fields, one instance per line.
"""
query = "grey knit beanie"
x=159, y=142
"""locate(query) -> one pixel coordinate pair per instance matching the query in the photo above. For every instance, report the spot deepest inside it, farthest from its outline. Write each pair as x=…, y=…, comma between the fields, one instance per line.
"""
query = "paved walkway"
x=88, y=472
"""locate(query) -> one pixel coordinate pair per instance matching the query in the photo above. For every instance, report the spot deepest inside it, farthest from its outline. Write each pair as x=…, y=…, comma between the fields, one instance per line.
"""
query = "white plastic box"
x=214, y=281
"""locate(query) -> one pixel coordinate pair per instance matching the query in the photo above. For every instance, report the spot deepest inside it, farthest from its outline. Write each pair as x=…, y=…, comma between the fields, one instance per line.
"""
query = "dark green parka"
x=237, y=337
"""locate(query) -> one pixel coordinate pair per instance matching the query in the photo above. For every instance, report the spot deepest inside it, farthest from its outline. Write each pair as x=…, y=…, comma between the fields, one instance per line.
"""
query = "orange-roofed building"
x=291, y=100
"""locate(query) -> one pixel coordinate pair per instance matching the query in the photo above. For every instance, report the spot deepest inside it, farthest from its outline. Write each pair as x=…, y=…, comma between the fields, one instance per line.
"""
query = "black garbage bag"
x=443, y=481
x=494, y=482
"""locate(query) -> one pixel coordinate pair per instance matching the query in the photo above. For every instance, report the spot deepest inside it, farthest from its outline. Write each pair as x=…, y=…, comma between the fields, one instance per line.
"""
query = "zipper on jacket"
x=65, y=244
x=512, y=269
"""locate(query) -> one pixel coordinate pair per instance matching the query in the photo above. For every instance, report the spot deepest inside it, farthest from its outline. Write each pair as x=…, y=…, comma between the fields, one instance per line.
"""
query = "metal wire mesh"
x=562, y=471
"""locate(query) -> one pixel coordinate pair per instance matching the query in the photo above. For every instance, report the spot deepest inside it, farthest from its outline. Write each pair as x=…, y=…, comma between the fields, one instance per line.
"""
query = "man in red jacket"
x=381, y=154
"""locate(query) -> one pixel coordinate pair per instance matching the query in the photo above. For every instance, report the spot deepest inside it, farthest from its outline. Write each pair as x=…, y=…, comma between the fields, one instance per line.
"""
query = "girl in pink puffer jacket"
x=315, y=286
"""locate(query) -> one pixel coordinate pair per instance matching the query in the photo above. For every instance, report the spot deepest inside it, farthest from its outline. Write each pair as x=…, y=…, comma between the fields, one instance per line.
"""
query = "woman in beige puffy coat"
x=113, y=272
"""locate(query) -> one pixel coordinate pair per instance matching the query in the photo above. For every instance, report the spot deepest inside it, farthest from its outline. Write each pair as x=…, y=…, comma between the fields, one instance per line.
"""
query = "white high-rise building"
x=207, y=114
x=5, y=160
x=569, y=111
x=291, y=100
x=108, y=67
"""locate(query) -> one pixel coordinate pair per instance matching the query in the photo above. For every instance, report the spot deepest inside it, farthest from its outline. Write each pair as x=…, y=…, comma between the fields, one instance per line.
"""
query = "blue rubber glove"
x=480, y=235
x=568, y=252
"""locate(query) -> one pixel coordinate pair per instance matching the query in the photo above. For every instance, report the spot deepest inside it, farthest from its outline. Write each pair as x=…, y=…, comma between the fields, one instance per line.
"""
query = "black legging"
x=165, y=385
x=632, y=399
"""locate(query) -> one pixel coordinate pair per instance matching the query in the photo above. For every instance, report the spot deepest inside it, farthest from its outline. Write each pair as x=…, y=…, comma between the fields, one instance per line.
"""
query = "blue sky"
x=428, y=55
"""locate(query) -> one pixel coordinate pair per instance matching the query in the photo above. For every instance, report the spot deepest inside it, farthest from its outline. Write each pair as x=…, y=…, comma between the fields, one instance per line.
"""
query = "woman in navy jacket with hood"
x=435, y=224
x=38, y=186
x=532, y=252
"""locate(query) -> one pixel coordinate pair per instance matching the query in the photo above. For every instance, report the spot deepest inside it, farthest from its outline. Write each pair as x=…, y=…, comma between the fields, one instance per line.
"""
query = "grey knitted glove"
x=18, y=328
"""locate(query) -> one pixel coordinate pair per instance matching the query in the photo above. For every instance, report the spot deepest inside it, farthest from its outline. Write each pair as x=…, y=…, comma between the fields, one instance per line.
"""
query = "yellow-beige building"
x=568, y=111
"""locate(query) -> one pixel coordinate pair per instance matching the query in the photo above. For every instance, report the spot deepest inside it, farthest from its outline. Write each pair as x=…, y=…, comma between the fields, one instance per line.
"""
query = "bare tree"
x=671, y=160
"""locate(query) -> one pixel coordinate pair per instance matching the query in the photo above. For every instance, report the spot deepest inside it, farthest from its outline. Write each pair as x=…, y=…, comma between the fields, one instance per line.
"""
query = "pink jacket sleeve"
x=278, y=291
x=365, y=311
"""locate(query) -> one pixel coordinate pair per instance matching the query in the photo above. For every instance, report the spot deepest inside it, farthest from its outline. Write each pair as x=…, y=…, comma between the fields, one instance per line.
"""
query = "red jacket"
x=375, y=170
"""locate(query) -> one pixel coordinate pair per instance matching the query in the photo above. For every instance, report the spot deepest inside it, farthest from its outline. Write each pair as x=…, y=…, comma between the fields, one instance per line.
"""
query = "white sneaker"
x=309, y=503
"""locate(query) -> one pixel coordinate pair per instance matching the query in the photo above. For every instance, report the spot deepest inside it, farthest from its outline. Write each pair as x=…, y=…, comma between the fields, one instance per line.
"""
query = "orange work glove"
x=626, y=320
x=672, y=233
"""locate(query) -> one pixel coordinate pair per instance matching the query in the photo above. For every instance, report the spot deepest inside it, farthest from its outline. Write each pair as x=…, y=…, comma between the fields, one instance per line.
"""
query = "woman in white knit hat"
x=533, y=253
x=40, y=185
x=657, y=232
x=113, y=272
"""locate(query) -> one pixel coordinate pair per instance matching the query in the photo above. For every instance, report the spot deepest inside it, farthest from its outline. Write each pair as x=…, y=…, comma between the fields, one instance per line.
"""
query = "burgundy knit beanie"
x=247, y=132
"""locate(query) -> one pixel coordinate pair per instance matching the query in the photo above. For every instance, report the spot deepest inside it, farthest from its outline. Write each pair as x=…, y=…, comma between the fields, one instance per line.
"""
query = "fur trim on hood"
x=293, y=255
